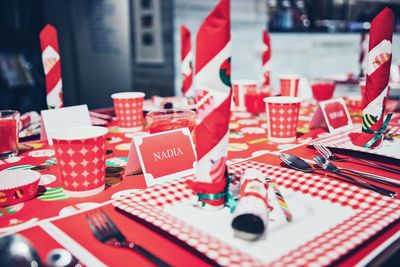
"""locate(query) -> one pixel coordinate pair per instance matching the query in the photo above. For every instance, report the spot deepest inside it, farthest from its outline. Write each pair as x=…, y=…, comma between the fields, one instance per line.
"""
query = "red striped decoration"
x=186, y=61
x=266, y=57
x=52, y=66
x=218, y=168
x=213, y=93
x=363, y=53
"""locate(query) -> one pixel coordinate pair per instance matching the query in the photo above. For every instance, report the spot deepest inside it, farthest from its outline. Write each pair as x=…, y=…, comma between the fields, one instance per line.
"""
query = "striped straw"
x=281, y=201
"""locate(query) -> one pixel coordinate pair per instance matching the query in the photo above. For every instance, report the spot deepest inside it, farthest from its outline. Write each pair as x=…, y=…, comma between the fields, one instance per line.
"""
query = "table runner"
x=29, y=213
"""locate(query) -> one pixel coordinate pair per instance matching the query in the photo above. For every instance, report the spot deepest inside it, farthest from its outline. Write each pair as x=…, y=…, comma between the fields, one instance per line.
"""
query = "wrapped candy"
x=250, y=220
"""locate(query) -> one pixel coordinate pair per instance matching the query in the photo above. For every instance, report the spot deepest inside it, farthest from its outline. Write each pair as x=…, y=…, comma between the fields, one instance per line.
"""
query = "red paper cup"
x=17, y=186
x=323, y=90
x=240, y=89
x=129, y=109
x=80, y=154
x=282, y=117
x=289, y=85
x=170, y=119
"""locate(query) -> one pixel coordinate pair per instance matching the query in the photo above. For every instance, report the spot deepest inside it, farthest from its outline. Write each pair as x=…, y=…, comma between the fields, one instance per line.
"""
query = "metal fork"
x=326, y=153
x=107, y=232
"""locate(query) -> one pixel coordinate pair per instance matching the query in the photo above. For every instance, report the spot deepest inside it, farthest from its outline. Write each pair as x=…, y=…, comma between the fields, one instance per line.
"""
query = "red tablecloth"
x=247, y=139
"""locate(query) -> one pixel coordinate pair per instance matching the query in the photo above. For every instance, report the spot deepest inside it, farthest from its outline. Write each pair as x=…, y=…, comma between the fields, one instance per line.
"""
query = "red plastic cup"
x=255, y=101
x=240, y=89
x=129, y=109
x=282, y=116
x=80, y=154
x=170, y=119
x=289, y=85
x=323, y=90
x=9, y=120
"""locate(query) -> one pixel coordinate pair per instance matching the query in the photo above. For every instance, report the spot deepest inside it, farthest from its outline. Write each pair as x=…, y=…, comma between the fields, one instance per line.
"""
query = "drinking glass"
x=9, y=120
x=170, y=119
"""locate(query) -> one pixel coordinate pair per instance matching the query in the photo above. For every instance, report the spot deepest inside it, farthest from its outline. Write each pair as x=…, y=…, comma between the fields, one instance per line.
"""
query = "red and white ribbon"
x=362, y=61
x=266, y=61
x=186, y=62
x=213, y=85
x=52, y=66
x=378, y=73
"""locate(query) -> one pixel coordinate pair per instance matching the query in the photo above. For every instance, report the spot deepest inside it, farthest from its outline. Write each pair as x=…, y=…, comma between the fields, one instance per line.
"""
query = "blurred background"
x=111, y=46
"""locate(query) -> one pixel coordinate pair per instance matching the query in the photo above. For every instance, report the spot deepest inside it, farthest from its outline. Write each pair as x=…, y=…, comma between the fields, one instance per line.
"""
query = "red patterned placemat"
x=374, y=213
x=389, y=148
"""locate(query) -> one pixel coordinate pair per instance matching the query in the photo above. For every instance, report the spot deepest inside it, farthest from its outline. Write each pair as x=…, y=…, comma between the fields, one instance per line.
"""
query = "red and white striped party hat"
x=377, y=85
x=362, y=60
x=52, y=66
x=186, y=62
x=213, y=81
x=266, y=61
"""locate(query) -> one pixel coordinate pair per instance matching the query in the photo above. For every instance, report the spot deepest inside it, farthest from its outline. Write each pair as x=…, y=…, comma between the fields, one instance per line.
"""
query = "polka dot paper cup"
x=80, y=154
x=289, y=85
x=129, y=109
x=17, y=186
x=282, y=116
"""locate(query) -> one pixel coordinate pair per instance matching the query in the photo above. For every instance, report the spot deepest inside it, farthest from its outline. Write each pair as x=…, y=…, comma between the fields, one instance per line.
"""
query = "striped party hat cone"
x=52, y=66
x=377, y=85
x=213, y=83
x=186, y=62
x=266, y=62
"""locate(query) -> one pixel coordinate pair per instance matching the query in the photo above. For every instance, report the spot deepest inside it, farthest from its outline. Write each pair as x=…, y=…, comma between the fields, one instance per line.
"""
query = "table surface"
x=52, y=220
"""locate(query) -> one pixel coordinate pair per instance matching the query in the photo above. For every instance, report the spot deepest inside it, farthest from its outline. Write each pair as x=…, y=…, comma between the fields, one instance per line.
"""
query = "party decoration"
x=377, y=85
x=52, y=66
x=186, y=62
x=213, y=87
x=250, y=220
x=362, y=61
x=266, y=61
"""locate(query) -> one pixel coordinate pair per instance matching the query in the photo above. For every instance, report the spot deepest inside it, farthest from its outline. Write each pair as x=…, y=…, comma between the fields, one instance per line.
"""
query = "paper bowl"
x=18, y=186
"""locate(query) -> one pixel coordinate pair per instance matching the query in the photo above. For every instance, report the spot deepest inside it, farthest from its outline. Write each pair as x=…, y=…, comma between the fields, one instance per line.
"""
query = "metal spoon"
x=329, y=167
x=370, y=176
x=295, y=162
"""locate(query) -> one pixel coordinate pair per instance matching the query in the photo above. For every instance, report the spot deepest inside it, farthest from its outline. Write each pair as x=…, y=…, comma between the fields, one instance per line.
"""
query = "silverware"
x=365, y=175
x=327, y=153
x=107, y=232
x=329, y=167
x=299, y=164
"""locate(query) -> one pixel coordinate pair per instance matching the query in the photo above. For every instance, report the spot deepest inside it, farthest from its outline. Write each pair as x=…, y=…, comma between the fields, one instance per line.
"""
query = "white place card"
x=55, y=119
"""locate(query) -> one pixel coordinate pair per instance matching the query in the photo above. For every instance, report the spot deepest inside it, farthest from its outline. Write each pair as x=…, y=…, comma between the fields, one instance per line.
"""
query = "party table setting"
x=231, y=173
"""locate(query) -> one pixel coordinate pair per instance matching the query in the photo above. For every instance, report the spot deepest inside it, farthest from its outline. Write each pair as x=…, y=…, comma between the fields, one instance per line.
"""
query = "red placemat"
x=374, y=213
x=389, y=148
